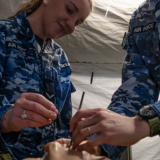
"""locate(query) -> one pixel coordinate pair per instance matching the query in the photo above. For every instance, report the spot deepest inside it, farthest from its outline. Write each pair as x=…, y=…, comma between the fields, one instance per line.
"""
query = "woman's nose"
x=71, y=24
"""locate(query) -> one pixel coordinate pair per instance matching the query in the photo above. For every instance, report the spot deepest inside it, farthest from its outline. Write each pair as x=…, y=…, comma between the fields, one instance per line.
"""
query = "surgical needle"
x=80, y=106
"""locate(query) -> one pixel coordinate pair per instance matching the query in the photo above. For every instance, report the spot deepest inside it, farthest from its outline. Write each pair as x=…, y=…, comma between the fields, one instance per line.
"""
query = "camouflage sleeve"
x=66, y=115
x=138, y=86
x=4, y=104
x=137, y=90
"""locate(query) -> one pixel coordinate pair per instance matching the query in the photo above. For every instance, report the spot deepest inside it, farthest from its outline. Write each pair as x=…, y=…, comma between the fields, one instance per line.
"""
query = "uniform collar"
x=23, y=23
x=152, y=4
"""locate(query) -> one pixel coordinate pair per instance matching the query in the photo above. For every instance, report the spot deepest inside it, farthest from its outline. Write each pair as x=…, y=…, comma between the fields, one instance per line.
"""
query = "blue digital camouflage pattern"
x=25, y=67
x=141, y=68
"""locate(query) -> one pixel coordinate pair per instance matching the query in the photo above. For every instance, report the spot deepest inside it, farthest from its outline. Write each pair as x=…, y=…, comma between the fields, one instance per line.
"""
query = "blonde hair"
x=28, y=7
x=33, y=5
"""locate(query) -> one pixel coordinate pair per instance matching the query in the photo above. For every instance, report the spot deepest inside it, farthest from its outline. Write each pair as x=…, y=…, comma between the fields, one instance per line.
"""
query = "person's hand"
x=38, y=109
x=111, y=128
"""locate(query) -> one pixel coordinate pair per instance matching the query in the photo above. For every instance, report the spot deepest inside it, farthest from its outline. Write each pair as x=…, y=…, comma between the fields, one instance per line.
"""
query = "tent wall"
x=95, y=46
x=9, y=7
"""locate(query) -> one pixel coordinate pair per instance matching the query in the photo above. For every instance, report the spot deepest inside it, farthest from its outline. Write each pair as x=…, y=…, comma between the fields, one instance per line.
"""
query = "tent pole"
x=129, y=153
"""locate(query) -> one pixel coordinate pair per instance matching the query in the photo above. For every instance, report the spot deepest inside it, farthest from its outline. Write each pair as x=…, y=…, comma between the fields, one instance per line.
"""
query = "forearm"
x=139, y=130
x=5, y=128
x=5, y=108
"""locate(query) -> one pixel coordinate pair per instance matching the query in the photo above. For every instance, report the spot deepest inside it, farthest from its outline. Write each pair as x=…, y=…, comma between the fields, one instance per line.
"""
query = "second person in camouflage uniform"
x=140, y=88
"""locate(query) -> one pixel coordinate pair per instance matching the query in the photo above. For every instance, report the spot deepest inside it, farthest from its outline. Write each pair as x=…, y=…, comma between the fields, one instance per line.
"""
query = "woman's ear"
x=45, y=2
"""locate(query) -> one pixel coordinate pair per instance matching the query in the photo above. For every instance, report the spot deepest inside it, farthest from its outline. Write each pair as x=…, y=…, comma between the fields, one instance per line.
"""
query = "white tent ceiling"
x=99, y=39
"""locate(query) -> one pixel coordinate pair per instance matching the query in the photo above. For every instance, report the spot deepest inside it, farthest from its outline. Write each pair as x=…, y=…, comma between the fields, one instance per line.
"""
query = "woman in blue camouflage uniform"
x=35, y=75
x=136, y=100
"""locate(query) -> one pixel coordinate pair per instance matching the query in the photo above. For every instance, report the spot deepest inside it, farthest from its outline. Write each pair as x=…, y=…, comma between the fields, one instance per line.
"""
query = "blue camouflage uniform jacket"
x=141, y=67
x=25, y=67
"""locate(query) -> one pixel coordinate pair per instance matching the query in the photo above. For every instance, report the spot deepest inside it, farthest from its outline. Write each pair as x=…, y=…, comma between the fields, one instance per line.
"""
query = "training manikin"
x=59, y=151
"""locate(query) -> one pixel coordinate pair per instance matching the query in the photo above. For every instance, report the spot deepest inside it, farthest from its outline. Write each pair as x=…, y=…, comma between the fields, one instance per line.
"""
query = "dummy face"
x=60, y=17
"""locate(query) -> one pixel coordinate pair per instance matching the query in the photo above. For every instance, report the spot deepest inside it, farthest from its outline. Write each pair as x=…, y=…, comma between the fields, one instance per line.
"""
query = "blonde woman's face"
x=62, y=16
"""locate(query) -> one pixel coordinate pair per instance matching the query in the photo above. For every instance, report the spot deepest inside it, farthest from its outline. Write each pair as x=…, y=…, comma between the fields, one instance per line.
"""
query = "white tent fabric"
x=95, y=47
x=99, y=39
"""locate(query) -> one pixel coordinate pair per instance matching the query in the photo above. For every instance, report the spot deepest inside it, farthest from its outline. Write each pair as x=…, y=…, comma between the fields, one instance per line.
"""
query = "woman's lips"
x=61, y=28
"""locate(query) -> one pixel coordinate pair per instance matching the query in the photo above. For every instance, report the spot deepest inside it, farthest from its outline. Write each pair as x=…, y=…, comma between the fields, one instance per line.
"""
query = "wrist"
x=5, y=123
x=148, y=114
x=142, y=127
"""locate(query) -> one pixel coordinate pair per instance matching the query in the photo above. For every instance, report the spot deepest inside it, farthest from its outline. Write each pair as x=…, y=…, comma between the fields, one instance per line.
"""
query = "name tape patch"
x=16, y=46
x=144, y=28
x=63, y=65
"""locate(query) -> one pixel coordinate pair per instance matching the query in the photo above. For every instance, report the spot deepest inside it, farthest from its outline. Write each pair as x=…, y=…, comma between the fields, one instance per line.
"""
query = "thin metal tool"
x=92, y=78
x=59, y=122
x=80, y=106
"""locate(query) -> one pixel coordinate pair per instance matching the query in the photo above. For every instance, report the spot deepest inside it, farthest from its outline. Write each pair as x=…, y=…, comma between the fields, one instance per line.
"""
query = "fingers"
x=96, y=141
x=83, y=114
x=84, y=133
x=30, y=123
x=38, y=104
x=39, y=109
x=37, y=117
x=85, y=128
x=83, y=124
x=41, y=100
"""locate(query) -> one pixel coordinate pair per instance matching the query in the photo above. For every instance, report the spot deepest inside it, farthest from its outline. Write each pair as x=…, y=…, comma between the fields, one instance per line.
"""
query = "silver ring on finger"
x=24, y=116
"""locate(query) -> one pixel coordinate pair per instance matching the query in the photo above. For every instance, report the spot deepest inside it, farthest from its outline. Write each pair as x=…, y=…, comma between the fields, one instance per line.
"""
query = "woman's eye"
x=69, y=11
